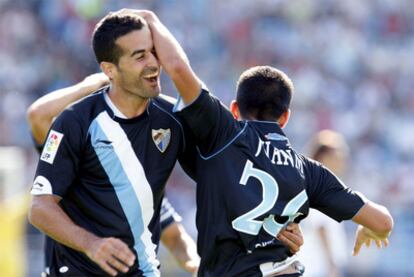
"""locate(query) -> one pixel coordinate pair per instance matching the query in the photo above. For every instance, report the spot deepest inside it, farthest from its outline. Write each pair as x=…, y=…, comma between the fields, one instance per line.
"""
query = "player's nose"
x=153, y=60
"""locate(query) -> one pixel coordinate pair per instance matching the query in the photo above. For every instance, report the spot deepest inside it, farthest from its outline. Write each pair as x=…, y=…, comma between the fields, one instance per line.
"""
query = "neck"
x=129, y=104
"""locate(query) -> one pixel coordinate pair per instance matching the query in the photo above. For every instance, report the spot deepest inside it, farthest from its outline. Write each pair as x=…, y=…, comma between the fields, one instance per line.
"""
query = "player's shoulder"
x=162, y=106
x=84, y=109
x=312, y=168
x=90, y=101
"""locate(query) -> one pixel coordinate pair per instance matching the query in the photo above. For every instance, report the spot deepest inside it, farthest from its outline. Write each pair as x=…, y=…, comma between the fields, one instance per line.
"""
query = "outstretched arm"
x=376, y=224
x=173, y=58
x=41, y=113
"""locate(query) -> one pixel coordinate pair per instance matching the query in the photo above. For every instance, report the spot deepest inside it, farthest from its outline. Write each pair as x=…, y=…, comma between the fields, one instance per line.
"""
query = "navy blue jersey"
x=250, y=184
x=111, y=173
x=168, y=216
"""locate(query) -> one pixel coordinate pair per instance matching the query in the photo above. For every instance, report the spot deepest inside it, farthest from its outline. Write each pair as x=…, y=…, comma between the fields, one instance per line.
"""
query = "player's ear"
x=234, y=108
x=109, y=69
x=284, y=118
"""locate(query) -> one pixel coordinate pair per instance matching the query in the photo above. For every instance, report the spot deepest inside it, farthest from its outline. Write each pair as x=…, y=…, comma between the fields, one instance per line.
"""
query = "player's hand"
x=365, y=236
x=95, y=81
x=292, y=237
x=147, y=15
x=191, y=266
x=111, y=254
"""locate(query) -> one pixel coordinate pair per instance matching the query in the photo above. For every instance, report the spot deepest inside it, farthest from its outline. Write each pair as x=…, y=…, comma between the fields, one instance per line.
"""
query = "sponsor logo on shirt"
x=161, y=138
x=41, y=186
x=51, y=146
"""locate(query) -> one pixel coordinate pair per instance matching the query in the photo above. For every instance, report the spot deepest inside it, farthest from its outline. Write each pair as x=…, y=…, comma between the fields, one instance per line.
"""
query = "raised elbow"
x=34, y=114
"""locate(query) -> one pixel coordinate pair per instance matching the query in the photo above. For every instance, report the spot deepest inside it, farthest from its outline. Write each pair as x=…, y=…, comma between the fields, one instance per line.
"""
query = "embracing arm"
x=41, y=113
x=46, y=215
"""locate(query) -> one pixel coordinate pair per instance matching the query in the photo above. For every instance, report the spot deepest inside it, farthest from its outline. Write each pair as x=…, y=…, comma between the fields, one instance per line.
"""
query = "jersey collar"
x=117, y=115
x=269, y=129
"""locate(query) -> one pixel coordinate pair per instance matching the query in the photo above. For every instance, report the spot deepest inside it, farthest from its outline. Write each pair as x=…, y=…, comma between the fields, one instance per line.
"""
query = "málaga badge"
x=161, y=138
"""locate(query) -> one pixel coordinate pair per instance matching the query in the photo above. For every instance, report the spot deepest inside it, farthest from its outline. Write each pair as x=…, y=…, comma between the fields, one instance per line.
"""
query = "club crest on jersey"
x=161, y=138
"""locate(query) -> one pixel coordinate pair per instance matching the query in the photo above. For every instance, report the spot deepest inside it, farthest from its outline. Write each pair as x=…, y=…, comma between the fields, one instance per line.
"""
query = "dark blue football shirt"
x=111, y=173
x=168, y=216
x=250, y=184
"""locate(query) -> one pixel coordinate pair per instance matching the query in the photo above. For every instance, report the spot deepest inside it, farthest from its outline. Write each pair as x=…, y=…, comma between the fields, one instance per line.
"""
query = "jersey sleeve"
x=211, y=123
x=59, y=160
x=329, y=195
x=168, y=214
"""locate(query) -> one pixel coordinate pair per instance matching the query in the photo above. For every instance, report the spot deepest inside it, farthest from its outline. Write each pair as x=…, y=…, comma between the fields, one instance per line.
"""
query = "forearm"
x=186, y=253
x=41, y=113
x=182, y=246
x=173, y=59
x=53, y=221
x=376, y=218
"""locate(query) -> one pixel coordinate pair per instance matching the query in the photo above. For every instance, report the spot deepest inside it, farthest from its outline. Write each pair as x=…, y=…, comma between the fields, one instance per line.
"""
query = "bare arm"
x=42, y=112
x=377, y=224
x=46, y=215
x=182, y=246
x=173, y=58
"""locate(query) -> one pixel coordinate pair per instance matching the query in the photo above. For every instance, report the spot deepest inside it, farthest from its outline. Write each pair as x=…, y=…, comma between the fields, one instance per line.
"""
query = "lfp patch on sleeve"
x=51, y=146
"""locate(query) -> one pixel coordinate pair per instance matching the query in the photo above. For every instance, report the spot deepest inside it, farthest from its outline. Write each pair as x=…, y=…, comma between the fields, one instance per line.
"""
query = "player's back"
x=250, y=184
x=257, y=184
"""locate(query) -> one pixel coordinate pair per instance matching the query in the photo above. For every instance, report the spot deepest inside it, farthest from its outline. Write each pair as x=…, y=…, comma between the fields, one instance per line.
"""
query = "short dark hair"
x=263, y=93
x=108, y=30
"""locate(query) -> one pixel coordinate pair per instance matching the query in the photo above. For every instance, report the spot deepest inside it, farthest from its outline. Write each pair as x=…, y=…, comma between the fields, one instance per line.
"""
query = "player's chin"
x=153, y=91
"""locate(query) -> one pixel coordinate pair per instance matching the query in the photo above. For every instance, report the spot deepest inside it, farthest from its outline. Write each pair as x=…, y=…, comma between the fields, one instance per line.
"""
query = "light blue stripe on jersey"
x=134, y=193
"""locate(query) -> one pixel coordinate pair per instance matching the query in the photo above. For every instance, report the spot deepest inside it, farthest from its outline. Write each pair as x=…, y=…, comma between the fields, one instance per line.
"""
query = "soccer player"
x=102, y=172
x=103, y=167
x=40, y=116
x=251, y=182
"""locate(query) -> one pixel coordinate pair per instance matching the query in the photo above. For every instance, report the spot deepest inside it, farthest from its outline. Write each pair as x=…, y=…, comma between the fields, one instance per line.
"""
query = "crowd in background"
x=351, y=62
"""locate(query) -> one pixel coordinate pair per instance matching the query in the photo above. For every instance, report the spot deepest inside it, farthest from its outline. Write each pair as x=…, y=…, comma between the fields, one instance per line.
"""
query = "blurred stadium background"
x=352, y=63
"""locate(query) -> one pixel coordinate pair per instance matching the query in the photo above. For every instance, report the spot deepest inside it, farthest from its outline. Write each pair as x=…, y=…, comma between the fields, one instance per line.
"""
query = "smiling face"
x=138, y=69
